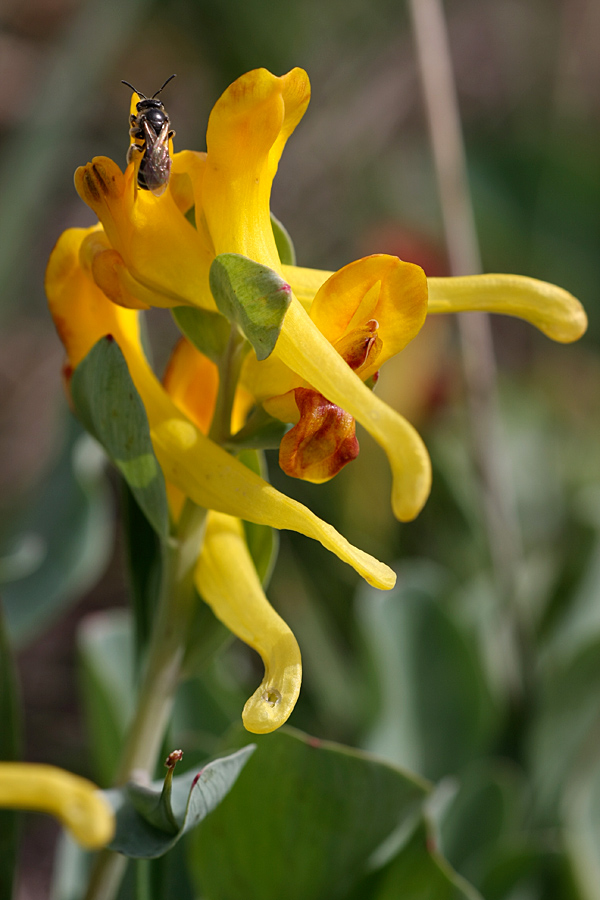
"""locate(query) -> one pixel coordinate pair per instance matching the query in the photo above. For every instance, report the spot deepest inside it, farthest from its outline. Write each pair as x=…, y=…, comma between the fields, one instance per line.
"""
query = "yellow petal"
x=305, y=282
x=81, y=312
x=247, y=131
x=227, y=581
x=216, y=480
x=553, y=310
x=192, y=382
x=303, y=348
x=200, y=468
x=377, y=287
x=550, y=308
x=159, y=247
x=75, y=801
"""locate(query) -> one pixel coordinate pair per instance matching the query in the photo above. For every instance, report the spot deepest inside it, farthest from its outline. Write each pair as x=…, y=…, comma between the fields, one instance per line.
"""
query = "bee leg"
x=172, y=134
x=132, y=119
x=133, y=151
x=135, y=132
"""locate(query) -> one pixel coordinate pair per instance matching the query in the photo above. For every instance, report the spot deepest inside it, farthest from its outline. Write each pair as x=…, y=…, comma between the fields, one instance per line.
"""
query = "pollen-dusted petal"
x=322, y=442
x=226, y=579
x=159, y=247
x=75, y=801
x=247, y=131
x=201, y=469
x=377, y=287
x=556, y=312
x=303, y=348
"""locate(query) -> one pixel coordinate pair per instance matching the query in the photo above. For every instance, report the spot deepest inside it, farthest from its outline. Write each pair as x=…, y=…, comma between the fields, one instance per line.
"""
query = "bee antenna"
x=135, y=91
x=170, y=78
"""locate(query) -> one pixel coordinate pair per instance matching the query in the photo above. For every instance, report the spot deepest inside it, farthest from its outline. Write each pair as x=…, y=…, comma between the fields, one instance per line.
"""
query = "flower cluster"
x=317, y=376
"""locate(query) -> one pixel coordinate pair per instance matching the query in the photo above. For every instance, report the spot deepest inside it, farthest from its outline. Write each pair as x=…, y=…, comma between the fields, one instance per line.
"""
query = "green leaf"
x=105, y=645
x=69, y=533
x=420, y=872
x=564, y=730
x=303, y=820
x=437, y=711
x=111, y=409
x=486, y=813
x=194, y=795
x=285, y=246
x=10, y=740
x=207, y=331
x=253, y=297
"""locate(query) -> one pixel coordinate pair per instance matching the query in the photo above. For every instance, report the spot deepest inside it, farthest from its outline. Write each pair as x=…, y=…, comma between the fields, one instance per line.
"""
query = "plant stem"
x=229, y=373
x=503, y=533
x=160, y=680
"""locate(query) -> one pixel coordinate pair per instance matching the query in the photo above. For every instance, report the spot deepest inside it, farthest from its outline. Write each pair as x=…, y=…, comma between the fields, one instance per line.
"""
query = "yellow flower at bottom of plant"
x=76, y=802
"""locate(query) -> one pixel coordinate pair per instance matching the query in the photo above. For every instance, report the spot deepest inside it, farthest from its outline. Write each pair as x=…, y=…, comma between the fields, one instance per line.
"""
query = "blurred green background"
x=507, y=692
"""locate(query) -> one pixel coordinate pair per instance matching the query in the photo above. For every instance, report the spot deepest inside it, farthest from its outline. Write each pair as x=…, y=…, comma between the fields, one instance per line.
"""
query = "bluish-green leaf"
x=437, y=711
x=285, y=245
x=207, y=331
x=252, y=296
x=111, y=409
x=303, y=820
x=564, y=729
x=194, y=795
x=69, y=535
x=420, y=872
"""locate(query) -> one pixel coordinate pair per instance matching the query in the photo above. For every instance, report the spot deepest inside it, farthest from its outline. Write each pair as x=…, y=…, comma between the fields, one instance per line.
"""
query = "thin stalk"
x=161, y=677
x=441, y=103
x=229, y=373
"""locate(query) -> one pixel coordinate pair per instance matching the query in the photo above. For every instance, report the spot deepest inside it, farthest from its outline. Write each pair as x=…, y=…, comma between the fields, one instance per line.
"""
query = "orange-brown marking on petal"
x=105, y=182
x=361, y=346
x=322, y=442
x=90, y=185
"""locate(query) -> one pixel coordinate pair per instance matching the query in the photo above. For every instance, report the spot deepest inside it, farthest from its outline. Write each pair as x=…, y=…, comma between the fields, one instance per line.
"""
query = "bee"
x=150, y=135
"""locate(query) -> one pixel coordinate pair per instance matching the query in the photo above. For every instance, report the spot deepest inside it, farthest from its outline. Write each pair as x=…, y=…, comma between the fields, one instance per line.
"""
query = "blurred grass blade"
x=10, y=740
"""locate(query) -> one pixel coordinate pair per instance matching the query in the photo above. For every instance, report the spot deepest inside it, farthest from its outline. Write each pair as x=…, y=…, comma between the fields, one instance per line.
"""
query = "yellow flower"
x=201, y=469
x=150, y=255
x=76, y=802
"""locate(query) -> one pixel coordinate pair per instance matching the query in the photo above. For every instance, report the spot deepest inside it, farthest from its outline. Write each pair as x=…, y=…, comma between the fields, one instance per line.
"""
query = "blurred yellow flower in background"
x=75, y=801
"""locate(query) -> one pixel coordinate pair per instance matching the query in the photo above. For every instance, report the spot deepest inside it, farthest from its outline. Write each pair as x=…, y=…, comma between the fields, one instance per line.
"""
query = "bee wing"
x=157, y=162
